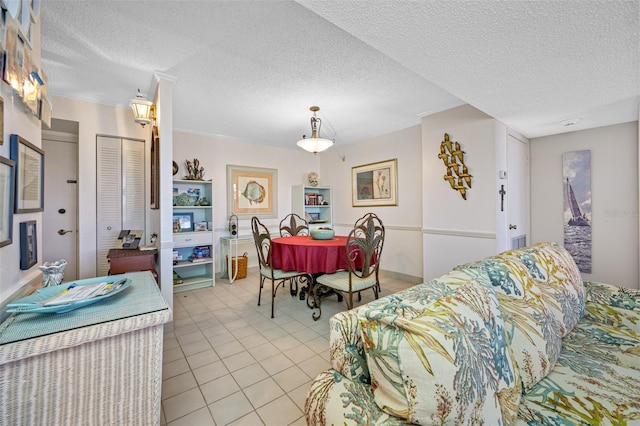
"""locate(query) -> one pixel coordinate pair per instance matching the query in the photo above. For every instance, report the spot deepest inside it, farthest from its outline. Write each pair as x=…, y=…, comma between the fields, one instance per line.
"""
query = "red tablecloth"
x=304, y=254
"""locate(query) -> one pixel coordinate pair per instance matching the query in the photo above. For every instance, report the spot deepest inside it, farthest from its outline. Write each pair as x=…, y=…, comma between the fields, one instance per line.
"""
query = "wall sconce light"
x=143, y=110
x=315, y=143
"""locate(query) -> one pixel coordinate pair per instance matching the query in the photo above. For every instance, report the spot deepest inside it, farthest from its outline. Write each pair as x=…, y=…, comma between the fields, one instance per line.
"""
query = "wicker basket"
x=241, y=262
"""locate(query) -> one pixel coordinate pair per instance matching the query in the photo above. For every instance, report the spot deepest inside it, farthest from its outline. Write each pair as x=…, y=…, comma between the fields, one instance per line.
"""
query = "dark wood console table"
x=122, y=261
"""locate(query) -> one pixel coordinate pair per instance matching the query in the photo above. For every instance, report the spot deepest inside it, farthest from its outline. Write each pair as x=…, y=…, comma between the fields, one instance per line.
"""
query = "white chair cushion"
x=279, y=274
x=340, y=281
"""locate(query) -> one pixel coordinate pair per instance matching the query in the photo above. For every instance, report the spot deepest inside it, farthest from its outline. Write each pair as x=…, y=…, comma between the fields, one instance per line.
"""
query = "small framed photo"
x=200, y=226
x=28, y=244
x=314, y=216
x=184, y=220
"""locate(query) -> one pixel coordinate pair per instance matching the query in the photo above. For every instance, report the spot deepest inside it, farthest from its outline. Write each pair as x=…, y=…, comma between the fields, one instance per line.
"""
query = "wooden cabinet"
x=193, y=248
x=314, y=203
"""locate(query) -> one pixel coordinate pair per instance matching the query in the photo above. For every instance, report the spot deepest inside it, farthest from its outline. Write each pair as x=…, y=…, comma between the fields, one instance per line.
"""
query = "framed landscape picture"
x=375, y=184
x=252, y=191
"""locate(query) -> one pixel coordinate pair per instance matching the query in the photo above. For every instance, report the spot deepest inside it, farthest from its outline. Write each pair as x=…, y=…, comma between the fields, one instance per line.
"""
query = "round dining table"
x=304, y=254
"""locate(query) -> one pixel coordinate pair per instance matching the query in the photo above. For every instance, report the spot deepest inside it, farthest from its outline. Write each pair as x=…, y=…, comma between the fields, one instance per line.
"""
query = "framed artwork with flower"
x=375, y=184
x=252, y=191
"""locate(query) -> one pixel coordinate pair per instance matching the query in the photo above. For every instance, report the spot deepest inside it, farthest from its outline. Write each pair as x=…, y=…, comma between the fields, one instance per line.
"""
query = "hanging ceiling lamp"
x=315, y=143
x=143, y=110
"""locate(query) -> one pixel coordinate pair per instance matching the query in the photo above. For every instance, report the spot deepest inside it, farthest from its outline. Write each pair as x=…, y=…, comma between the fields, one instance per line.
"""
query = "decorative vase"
x=52, y=272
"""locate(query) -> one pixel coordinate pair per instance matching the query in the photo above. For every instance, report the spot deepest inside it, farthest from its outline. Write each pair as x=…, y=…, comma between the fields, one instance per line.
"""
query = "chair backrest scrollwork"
x=364, y=246
x=262, y=240
x=292, y=225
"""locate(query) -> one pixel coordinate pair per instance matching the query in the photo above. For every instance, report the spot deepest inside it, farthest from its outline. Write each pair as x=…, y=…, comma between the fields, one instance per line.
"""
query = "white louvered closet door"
x=120, y=195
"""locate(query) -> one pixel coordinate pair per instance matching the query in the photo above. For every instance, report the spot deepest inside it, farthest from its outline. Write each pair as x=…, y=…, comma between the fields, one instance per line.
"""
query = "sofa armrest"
x=335, y=400
x=346, y=347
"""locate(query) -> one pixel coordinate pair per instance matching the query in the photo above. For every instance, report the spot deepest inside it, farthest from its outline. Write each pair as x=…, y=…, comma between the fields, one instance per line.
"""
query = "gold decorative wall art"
x=457, y=174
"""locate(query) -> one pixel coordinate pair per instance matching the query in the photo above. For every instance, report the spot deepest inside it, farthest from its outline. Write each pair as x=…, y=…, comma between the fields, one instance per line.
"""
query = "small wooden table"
x=122, y=261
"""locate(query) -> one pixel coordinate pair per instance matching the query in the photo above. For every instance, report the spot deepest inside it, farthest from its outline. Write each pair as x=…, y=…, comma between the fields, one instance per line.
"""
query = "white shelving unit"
x=313, y=202
x=201, y=271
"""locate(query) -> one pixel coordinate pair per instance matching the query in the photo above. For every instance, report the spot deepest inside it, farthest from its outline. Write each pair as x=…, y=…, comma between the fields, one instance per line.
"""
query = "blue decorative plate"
x=34, y=302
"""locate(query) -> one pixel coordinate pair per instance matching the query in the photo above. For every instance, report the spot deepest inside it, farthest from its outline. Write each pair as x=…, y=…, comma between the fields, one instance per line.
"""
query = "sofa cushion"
x=559, y=280
x=616, y=306
x=583, y=390
x=507, y=275
x=345, y=341
x=533, y=334
x=615, y=344
x=447, y=362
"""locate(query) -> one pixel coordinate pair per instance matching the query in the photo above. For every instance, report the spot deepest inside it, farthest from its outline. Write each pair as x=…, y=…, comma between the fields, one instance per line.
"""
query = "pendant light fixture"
x=315, y=143
x=143, y=110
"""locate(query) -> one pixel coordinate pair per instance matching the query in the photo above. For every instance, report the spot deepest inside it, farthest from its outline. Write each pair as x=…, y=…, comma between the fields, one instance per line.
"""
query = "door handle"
x=513, y=226
x=62, y=231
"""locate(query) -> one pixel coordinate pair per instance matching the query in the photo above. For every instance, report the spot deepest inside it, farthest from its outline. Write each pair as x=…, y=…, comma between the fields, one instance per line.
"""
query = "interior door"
x=517, y=191
x=60, y=216
x=120, y=187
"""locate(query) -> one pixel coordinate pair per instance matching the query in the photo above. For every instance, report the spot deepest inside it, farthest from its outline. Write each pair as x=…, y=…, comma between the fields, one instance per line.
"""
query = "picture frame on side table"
x=375, y=184
x=28, y=244
x=252, y=191
x=185, y=219
x=29, y=180
x=7, y=179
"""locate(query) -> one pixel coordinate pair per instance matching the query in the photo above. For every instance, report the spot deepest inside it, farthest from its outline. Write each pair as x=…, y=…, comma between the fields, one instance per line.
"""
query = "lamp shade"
x=142, y=109
x=315, y=143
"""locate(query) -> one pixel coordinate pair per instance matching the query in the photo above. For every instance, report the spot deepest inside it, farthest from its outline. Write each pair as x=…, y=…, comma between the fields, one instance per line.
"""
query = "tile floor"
x=228, y=363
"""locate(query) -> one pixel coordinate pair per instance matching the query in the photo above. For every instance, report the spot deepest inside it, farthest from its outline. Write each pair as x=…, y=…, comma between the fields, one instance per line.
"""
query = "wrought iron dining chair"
x=278, y=277
x=364, y=251
x=292, y=225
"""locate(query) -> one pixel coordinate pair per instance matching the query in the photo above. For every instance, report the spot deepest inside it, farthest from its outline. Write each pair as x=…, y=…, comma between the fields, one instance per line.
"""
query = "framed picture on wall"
x=375, y=184
x=155, y=168
x=28, y=244
x=29, y=175
x=252, y=191
x=7, y=175
x=1, y=109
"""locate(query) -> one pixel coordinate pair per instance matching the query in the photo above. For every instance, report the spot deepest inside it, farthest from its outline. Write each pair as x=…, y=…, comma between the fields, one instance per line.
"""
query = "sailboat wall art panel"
x=576, y=180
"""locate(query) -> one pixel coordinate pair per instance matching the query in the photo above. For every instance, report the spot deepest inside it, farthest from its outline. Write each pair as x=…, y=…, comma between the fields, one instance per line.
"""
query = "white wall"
x=18, y=121
x=614, y=191
x=94, y=119
x=457, y=230
x=402, y=252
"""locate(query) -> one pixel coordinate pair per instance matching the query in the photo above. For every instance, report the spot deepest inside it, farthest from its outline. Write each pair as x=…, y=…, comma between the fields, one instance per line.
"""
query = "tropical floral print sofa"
x=516, y=338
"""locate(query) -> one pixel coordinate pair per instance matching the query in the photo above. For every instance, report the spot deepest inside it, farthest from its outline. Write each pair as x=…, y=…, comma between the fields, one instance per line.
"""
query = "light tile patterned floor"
x=228, y=363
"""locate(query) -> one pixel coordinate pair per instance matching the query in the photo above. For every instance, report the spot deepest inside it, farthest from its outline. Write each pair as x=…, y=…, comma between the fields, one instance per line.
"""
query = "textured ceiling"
x=252, y=69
